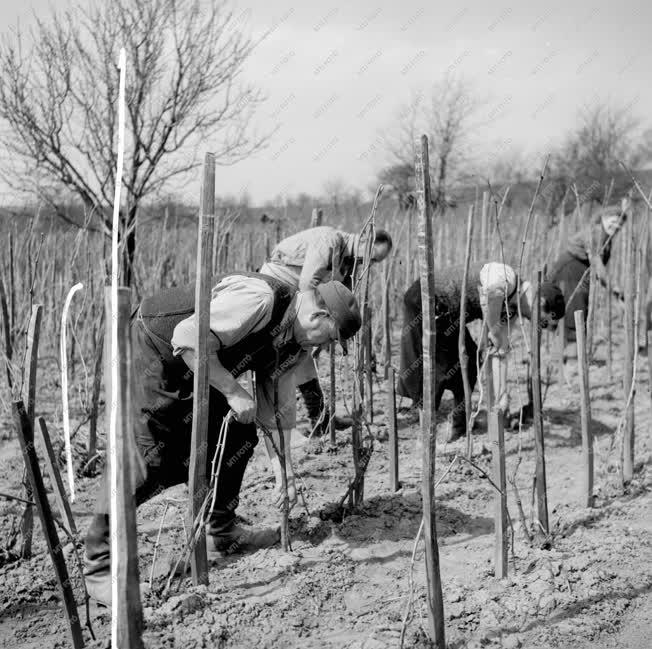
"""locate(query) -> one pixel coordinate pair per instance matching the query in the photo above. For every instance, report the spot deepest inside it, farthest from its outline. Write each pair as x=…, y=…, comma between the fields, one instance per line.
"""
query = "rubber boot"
x=313, y=397
x=239, y=539
x=97, y=560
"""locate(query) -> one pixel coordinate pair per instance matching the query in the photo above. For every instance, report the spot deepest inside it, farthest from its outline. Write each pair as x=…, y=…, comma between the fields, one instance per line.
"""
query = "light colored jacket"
x=316, y=252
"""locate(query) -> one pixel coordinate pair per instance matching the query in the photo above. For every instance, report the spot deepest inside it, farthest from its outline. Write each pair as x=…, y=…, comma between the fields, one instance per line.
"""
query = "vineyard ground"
x=346, y=583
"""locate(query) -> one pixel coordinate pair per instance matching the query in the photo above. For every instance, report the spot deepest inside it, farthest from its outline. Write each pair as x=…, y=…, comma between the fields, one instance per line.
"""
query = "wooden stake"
x=585, y=403
x=535, y=353
x=197, y=482
x=6, y=327
x=316, y=218
x=434, y=599
x=95, y=404
x=630, y=344
x=461, y=341
x=368, y=351
x=331, y=396
x=55, y=478
x=26, y=436
x=29, y=399
x=408, y=251
x=497, y=440
x=387, y=338
x=609, y=335
x=393, y=430
x=484, y=224
x=122, y=456
x=590, y=316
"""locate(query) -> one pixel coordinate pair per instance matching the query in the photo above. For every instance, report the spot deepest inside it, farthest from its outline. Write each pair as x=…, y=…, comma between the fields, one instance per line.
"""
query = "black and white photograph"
x=325, y=325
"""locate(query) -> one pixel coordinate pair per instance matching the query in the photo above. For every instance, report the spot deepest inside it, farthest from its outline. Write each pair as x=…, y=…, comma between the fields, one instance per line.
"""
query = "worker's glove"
x=618, y=294
x=243, y=406
x=292, y=493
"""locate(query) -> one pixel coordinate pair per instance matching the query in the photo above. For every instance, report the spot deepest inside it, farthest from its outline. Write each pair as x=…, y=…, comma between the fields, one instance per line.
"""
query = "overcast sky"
x=335, y=75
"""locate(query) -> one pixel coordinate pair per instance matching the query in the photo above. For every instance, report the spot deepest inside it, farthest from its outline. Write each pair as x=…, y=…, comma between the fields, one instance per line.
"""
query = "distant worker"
x=256, y=324
x=591, y=246
x=492, y=297
x=303, y=261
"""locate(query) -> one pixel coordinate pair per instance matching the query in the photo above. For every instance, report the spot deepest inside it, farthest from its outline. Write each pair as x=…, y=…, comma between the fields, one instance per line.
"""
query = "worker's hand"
x=243, y=405
x=618, y=293
x=292, y=493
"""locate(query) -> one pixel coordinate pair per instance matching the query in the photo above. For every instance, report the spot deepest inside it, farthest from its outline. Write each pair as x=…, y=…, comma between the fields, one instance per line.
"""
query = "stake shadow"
x=396, y=517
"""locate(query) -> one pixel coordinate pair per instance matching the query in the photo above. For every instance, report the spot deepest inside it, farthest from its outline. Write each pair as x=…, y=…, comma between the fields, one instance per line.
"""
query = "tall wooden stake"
x=434, y=599
x=535, y=352
x=630, y=344
x=29, y=399
x=368, y=351
x=393, y=430
x=127, y=610
x=387, y=333
x=585, y=404
x=484, y=224
x=197, y=482
x=461, y=341
x=55, y=478
x=316, y=218
x=609, y=326
x=25, y=436
x=590, y=316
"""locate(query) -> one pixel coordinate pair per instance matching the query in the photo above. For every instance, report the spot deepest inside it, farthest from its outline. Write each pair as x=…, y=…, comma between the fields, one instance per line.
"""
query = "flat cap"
x=343, y=307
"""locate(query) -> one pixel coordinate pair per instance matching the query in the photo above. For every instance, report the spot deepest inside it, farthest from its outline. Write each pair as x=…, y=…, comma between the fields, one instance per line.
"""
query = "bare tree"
x=58, y=102
x=605, y=134
x=446, y=116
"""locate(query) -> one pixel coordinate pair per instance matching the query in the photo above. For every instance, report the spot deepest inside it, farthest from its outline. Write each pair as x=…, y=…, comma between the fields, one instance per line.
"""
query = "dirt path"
x=346, y=583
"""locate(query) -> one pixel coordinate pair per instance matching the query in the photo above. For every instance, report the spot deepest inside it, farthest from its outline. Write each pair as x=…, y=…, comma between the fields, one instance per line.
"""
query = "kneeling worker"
x=491, y=296
x=251, y=317
x=303, y=261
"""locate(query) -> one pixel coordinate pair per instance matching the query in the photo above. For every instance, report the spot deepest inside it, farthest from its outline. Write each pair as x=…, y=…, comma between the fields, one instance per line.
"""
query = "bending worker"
x=303, y=261
x=591, y=246
x=256, y=323
x=491, y=295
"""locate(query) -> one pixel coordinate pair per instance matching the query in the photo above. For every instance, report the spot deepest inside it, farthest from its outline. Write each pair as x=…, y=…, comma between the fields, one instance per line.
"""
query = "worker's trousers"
x=162, y=404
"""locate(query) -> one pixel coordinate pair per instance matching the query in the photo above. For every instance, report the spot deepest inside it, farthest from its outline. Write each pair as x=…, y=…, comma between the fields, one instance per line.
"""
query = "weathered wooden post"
x=408, y=251
x=387, y=333
x=316, y=217
x=484, y=225
x=25, y=437
x=127, y=614
x=590, y=316
x=585, y=405
x=392, y=428
x=535, y=353
x=368, y=353
x=197, y=482
x=122, y=456
x=95, y=403
x=55, y=478
x=461, y=341
x=29, y=399
x=609, y=325
x=434, y=599
x=629, y=381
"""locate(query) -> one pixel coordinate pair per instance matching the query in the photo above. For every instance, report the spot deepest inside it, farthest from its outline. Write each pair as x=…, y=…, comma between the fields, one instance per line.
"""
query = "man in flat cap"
x=303, y=261
x=257, y=324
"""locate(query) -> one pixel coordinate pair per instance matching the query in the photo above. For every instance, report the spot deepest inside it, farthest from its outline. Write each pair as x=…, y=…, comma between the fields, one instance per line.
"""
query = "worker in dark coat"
x=257, y=324
x=591, y=246
x=493, y=296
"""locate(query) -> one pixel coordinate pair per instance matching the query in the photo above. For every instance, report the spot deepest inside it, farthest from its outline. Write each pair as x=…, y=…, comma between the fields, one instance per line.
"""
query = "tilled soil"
x=347, y=581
